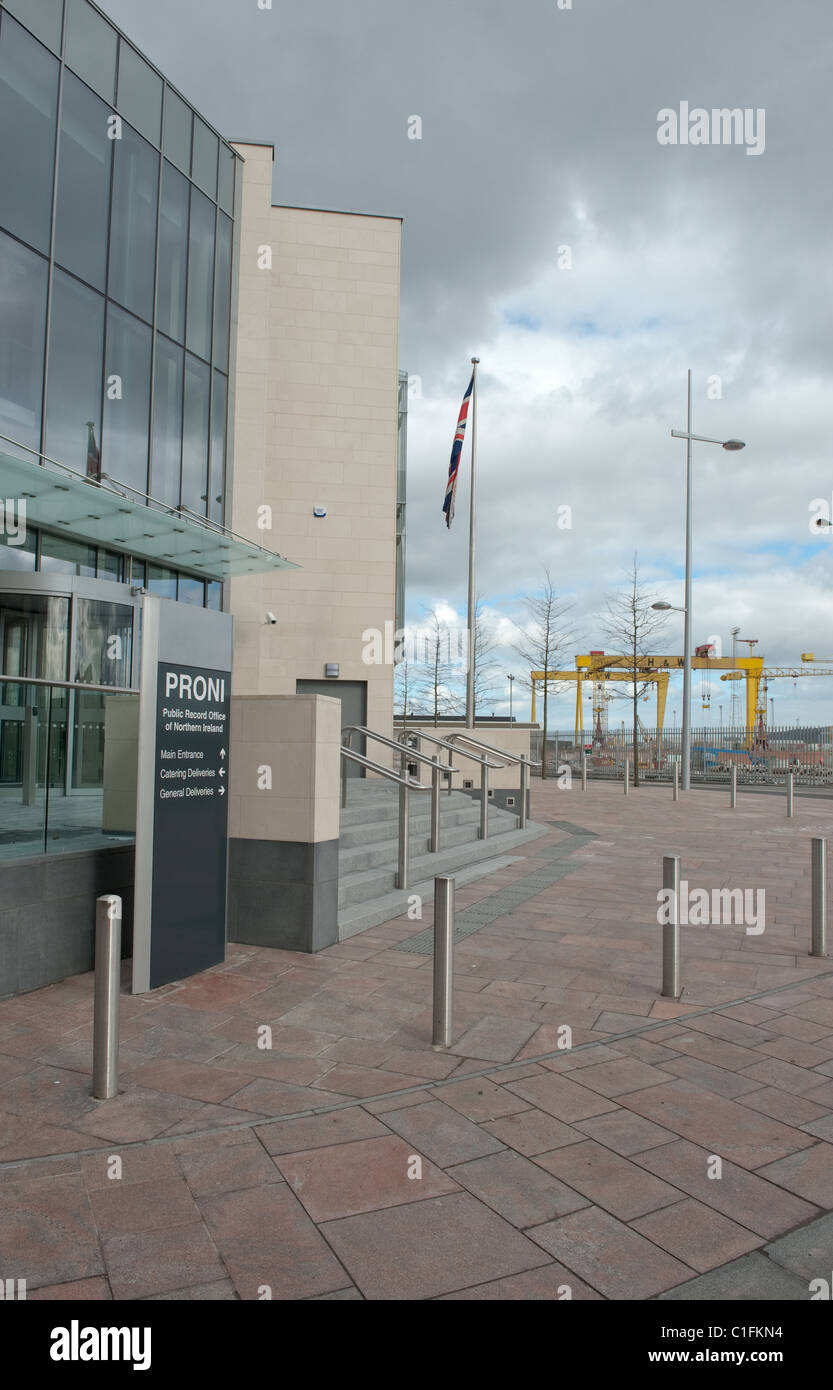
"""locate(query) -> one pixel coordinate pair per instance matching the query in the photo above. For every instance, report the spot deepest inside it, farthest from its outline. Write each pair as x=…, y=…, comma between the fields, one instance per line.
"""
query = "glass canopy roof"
x=103, y=513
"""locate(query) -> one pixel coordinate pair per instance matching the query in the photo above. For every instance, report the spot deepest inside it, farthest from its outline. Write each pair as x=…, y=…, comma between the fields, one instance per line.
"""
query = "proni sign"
x=199, y=688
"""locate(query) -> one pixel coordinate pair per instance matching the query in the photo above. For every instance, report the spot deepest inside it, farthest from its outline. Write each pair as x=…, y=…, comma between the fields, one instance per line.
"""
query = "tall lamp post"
x=731, y=445
x=511, y=688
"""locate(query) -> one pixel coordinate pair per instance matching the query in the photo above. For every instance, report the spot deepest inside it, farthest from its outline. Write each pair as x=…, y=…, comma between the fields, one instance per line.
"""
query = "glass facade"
x=116, y=249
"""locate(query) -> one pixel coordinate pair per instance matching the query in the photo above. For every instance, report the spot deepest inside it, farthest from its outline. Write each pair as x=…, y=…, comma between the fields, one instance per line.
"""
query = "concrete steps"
x=368, y=848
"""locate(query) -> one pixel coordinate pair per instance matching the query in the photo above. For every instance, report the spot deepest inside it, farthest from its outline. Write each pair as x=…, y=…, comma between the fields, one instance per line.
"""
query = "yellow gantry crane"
x=659, y=678
x=600, y=667
x=776, y=673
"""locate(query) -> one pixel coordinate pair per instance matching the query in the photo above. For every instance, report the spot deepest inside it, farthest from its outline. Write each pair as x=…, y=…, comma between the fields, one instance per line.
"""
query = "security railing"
x=760, y=757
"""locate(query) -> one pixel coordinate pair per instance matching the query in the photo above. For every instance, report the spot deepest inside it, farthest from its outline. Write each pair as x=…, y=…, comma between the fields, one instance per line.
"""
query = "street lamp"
x=732, y=446
x=511, y=688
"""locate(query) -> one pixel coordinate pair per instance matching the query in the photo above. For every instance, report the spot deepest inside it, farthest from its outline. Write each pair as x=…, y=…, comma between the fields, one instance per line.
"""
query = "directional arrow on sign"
x=222, y=772
x=222, y=752
x=222, y=791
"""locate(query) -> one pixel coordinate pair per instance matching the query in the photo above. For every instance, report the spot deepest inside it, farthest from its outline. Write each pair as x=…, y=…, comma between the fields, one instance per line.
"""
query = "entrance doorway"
x=353, y=696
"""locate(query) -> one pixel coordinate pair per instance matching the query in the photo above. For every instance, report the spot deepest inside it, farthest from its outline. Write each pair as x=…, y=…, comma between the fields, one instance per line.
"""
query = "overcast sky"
x=539, y=132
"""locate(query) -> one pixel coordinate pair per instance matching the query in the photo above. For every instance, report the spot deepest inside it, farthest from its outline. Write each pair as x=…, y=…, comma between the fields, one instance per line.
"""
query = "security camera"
x=270, y=618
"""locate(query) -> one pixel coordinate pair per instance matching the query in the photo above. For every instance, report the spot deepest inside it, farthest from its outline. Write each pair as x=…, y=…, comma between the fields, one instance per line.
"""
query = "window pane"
x=226, y=187
x=138, y=572
x=161, y=582
x=91, y=48
x=140, y=93
x=191, y=591
x=23, y=297
x=35, y=630
x=218, y=448
x=83, y=184
x=28, y=103
x=42, y=17
x=75, y=371
x=133, y=225
x=214, y=595
x=103, y=642
x=204, y=165
x=62, y=555
x=173, y=254
x=110, y=566
x=177, y=142
x=124, y=448
x=200, y=275
x=16, y=554
x=222, y=292
x=167, y=424
x=195, y=436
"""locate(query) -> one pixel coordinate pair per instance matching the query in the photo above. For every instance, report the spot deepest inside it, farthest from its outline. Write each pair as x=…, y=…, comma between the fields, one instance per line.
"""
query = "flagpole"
x=472, y=518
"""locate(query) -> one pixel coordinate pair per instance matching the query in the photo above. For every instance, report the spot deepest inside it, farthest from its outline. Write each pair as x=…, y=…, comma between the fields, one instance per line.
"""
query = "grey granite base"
x=47, y=918
x=283, y=894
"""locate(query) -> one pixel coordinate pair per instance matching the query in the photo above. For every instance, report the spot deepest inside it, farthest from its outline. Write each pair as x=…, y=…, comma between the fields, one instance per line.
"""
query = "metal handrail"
x=525, y=765
x=382, y=770
x=405, y=783
x=444, y=743
x=490, y=748
x=388, y=742
x=485, y=765
x=437, y=770
x=69, y=685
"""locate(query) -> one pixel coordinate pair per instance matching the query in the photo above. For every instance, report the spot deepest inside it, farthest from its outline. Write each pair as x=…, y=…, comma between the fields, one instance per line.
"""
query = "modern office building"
x=194, y=384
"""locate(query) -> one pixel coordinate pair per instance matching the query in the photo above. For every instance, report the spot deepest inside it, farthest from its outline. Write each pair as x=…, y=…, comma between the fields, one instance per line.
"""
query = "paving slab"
x=753, y=1278
x=429, y=1248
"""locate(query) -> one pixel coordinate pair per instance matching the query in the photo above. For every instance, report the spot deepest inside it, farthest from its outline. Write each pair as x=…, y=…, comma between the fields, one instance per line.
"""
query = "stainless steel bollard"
x=484, y=801
x=671, y=928
x=733, y=800
x=790, y=794
x=436, y=773
x=676, y=781
x=106, y=996
x=402, y=872
x=583, y=770
x=627, y=774
x=443, y=961
x=818, y=898
x=524, y=794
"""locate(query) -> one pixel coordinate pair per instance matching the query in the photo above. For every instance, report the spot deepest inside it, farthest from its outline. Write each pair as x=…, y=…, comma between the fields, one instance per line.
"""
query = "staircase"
x=368, y=846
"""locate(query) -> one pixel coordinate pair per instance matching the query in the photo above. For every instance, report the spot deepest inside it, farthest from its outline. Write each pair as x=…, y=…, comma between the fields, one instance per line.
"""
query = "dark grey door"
x=353, y=696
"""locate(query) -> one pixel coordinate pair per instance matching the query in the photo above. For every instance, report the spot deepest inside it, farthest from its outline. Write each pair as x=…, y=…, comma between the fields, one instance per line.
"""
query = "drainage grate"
x=505, y=900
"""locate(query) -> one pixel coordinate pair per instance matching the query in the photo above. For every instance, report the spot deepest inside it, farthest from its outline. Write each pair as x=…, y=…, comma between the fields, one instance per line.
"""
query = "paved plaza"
x=679, y=1150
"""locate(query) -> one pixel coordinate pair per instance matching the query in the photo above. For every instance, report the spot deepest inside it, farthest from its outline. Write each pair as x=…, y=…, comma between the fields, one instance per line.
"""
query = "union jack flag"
x=456, y=450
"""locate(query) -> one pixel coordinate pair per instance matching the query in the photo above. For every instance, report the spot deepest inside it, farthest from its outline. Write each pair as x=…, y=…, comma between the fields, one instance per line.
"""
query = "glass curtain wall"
x=116, y=246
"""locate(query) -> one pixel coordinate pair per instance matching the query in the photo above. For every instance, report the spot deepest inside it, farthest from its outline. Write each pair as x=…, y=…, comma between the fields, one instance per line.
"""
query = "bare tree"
x=437, y=685
x=635, y=628
x=485, y=667
x=405, y=685
x=543, y=642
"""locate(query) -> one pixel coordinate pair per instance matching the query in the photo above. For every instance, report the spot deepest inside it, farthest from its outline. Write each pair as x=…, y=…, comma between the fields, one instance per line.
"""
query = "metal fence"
x=761, y=757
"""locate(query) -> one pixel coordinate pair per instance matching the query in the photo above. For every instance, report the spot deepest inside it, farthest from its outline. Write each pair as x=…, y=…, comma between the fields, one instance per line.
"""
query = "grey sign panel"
x=181, y=831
